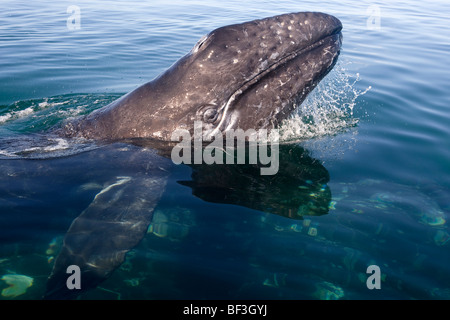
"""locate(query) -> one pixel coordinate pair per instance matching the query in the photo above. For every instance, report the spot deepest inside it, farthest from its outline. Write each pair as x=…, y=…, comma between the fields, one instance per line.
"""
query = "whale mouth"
x=333, y=40
x=337, y=35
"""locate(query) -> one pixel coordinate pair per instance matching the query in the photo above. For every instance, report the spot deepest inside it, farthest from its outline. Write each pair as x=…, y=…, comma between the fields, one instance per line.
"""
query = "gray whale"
x=244, y=76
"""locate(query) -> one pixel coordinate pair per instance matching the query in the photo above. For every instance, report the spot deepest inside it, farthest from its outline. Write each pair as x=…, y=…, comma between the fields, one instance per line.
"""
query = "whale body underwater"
x=250, y=75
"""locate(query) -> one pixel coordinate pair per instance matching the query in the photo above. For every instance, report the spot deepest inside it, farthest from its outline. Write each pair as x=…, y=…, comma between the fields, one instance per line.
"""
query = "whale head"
x=243, y=76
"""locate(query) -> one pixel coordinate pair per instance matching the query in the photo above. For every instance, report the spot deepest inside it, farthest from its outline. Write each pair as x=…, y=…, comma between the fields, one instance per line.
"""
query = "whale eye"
x=210, y=115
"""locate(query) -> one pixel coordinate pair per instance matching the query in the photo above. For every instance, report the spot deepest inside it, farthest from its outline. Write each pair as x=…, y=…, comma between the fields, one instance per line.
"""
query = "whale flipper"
x=98, y=240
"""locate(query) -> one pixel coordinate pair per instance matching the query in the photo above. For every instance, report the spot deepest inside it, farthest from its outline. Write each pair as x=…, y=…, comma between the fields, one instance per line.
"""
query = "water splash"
x=328, y=110
x=38, y=115
x=42, y=146
x=25, y=125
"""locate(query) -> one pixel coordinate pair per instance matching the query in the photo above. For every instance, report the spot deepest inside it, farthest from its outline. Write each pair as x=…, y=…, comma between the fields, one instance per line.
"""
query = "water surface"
x=386, y=155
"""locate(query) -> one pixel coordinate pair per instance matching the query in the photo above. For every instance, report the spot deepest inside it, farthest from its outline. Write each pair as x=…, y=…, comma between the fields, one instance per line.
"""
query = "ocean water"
x=371, y=144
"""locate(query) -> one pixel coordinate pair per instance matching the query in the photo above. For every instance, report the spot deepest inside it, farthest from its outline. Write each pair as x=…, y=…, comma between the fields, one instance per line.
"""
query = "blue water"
x=388, y=162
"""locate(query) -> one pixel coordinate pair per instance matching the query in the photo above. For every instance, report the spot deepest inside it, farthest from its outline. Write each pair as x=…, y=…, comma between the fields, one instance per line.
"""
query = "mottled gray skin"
x=250, y=76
